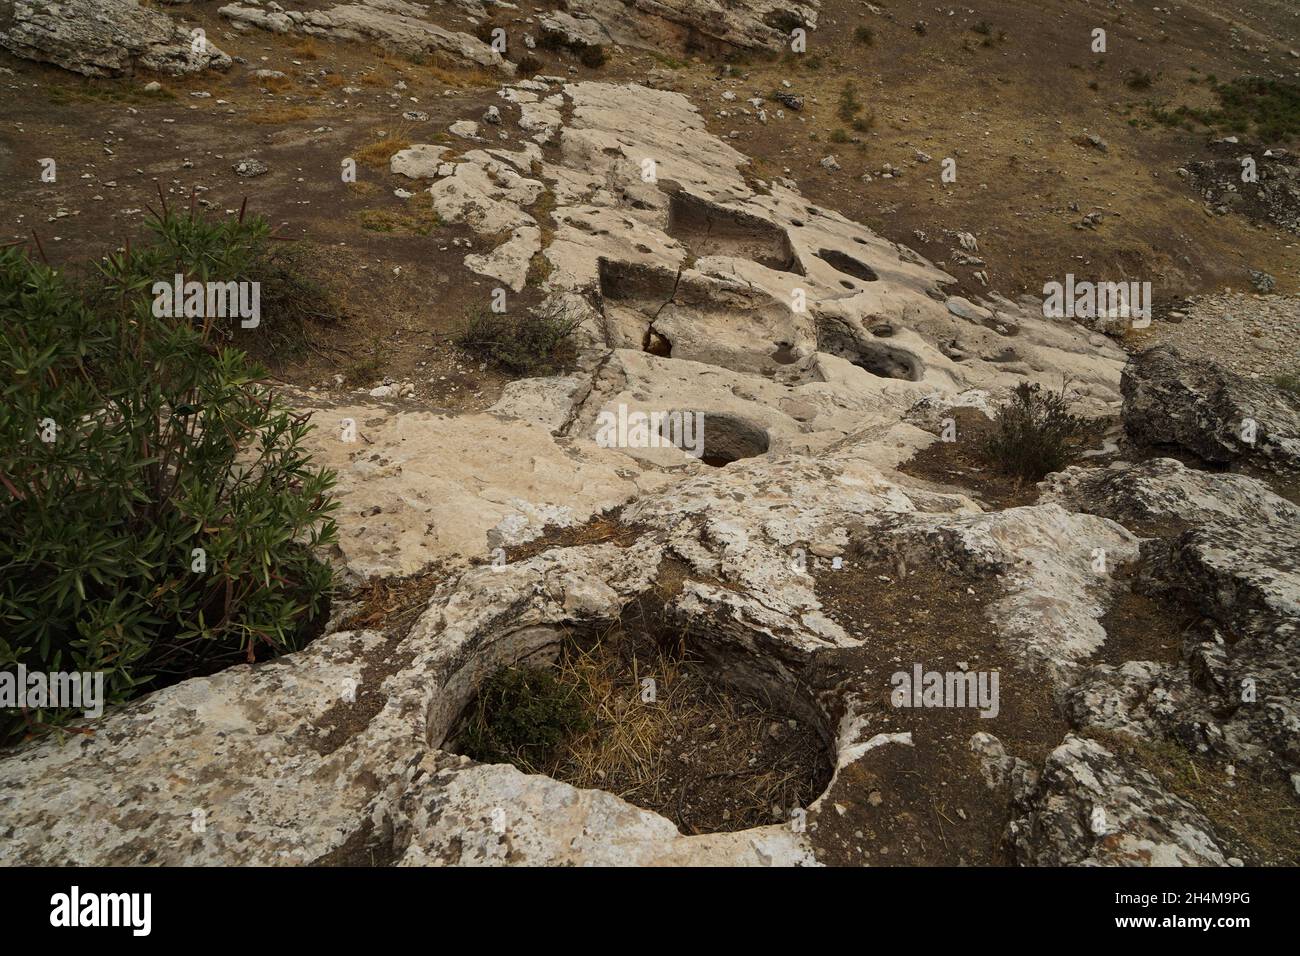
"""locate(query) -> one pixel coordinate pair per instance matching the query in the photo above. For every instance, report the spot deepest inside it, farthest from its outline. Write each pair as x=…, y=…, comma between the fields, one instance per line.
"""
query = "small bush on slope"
x=1033, y=433
x=525, y=345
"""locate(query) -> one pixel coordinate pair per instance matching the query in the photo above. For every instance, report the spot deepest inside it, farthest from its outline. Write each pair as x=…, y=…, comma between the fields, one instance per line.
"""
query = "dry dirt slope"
x=1008, y=101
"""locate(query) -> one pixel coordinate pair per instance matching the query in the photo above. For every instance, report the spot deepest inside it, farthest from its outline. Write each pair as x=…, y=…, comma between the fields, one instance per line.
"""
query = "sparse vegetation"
x=593, y=57
x=276, y=84
x=415, y=218
x=107, y=92
x=849, y=106
x=849, y=110
x=306, y=49
x=1271, y=108
x=671, y=62
x=1268, y=109
x=585, y=721
x=279, y=115
x=521, y=716
x=364, y=370
x=1138, y=79
x=1288, y=382
x=293, y=302
x=865, y=36
x=1251, y=805
x=1033, y=433
x=525, y=344
x=377, y=153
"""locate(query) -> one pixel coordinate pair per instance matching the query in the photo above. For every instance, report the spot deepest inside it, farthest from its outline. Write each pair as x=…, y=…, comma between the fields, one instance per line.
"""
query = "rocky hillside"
x=1127, y=625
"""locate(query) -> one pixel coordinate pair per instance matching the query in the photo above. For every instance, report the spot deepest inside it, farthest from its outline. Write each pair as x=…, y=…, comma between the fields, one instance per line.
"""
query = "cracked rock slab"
x=106, y=38
x=418, y=487
x=1090, y=807
x=1191, y=403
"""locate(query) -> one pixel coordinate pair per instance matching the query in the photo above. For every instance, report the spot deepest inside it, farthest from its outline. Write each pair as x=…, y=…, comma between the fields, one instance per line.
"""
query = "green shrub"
x=1288, y=382
x=1033, y=433
x=520, y=716
x=525, y=345
x=1271, y=107
x=128, y=441
x=1138, y=79
x=593, y=57
x=849, y=106
x=864, y=35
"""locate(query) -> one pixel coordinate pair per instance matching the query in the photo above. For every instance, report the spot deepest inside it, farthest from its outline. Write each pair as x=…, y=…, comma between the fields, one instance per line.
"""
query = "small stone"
x=248, y=168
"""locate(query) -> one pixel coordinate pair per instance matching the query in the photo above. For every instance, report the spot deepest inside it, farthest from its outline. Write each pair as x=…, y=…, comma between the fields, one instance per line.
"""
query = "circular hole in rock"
x=842, y=262
x=885, y=361
x=726, y=438
x=784, y=354
x=656, y=344
x=637, y=710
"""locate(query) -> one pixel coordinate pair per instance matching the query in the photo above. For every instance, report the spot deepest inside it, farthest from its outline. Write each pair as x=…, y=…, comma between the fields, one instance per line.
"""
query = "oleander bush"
x=159, y=516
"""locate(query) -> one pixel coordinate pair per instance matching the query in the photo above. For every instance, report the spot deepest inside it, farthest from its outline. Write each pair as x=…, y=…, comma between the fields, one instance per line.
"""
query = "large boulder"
x=104, y=38
x=749, y=24
x=1092, y=807
x=1191, y=403
x=393, y=24
x=1224, y=546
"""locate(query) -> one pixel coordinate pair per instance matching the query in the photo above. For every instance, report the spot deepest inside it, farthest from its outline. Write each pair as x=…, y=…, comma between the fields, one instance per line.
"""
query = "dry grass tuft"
x=417, y=217
x=703, y=755
x=279, y=115
x=276, y=84
x=377, y=153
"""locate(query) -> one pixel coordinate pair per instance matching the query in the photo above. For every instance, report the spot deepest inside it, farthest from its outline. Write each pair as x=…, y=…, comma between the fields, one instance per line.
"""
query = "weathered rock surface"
x=394, y=24
x=1045, y=556
x=1223, y=418
x=417, y=487
x=564, y=29
x=1090, y=807
x=753, y=24
x=104, y=38
x=820, y=356
x=1164, y=492
x=726, y=295
x=287, y=769
x=420, y=161
x=1228, y=549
